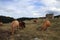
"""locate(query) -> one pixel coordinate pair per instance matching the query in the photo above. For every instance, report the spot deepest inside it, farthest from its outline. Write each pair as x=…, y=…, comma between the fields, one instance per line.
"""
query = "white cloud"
x=28, y=8
x=49, y=3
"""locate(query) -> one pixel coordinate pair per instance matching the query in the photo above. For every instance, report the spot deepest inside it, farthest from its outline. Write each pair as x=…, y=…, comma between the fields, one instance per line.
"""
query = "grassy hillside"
x=31, y=32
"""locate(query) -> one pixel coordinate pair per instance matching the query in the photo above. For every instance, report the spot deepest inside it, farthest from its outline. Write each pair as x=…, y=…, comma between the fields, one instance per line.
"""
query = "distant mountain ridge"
x=6, y=19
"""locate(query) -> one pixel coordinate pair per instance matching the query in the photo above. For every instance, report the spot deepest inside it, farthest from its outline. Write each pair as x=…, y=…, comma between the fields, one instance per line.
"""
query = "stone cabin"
x=50, y=16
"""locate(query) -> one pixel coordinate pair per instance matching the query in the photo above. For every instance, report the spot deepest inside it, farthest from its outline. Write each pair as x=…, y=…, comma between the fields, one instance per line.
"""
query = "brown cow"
x=35, y=20
x=17, y=24
x=14, y=25
x=45, y=24
x=22, y=24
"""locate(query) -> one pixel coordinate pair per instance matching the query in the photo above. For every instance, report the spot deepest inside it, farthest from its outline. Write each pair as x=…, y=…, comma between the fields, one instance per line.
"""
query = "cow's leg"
x=24, y=26
x=19, y=27
x=13, y=30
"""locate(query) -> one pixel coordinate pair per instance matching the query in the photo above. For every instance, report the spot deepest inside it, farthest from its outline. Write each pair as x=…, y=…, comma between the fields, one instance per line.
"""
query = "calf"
x=22, y=24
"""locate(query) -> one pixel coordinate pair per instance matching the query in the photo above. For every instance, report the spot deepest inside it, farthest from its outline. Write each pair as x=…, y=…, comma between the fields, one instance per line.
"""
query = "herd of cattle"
x=20, y=25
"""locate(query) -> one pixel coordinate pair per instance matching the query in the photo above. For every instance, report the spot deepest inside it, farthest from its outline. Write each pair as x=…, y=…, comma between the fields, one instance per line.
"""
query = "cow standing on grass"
x=22, y=24
x=45, y=24
x=35, y=20
x=14, y=25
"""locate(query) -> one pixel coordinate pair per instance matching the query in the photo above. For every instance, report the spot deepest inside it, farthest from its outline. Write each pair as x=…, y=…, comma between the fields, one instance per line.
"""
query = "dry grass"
x=31, y=32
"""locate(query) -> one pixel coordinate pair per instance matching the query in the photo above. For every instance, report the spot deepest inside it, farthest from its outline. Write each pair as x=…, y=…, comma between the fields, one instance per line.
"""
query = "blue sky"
x=28, y=8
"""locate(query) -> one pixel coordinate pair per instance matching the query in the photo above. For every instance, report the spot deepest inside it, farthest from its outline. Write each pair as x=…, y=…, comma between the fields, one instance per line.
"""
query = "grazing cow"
x=45, y=25
x=22, y=24
x=14, y=25
x=35, y=20
x=1, y=23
